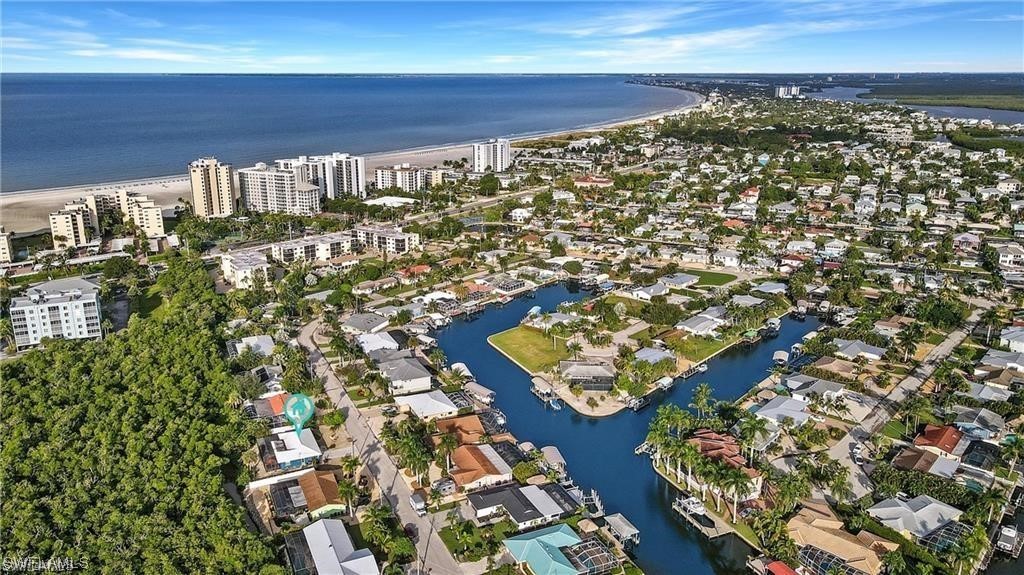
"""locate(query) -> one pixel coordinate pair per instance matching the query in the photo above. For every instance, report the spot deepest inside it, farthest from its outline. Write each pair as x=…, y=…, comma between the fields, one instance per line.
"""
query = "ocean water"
x=850, y=94
x=69, y=129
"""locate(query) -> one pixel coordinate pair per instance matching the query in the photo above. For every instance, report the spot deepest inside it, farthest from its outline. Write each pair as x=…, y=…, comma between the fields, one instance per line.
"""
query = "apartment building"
x=6, y=249
x=214, y=194
x=241, y=269
x=337, y=175
x=70, y=228
x=494, y=155
x=403, y=176
x=143, y=211
x=322, y=248
x=278, y=190
x=67, y=308
x=386, y=240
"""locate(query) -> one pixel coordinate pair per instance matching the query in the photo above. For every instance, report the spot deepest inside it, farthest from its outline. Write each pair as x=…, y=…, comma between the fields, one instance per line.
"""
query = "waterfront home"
x=726, y=449
x=851, y=349
x=405, y=375
x=835, y=249
x=892, y=326
x=479, y=466
x=268, y=407
x=653, y=355
x=286, y=450
x=364, y=323
x=943, y=440
x=327, y=547
x=978, y=422
x=526, y=506
x=806, y=388
x=914, y=518
x=746, y=301
x=544, y=322
x=370, y=342
x=727, y=258
x=428, y=406
x=467, y=430
x=822, y=542
x=784, y=410
x=558, y=550
x=840, y=367
x=589, y=375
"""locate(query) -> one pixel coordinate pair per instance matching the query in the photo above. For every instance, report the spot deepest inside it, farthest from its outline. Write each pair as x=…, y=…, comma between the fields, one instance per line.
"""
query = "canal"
x=599, y=452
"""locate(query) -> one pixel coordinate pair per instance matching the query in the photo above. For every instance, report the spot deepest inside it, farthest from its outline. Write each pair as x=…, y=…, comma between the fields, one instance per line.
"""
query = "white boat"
x=1007, y=539
x=665, y=383
x=555, y=404
x=692, y=505
x=780, y=357
x=702, y=367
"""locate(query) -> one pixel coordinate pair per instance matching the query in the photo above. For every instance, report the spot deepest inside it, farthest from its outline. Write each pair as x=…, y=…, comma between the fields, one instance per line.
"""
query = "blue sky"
x=510, y=36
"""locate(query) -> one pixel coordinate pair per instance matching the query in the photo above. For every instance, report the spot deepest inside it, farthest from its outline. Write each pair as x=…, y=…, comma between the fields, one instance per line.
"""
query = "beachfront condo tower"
x=337, y=175
x=492, y=156
x=274, y=189
x=214, y=194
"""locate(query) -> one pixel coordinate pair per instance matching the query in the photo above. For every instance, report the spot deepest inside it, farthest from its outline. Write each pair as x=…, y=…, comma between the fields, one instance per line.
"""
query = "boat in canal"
x=690, y=506
x=1010, y=541
x=666, y=383
x=780, y=357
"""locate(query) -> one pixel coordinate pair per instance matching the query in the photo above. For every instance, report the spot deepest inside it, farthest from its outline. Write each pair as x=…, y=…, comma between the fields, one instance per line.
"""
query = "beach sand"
x=28, y=211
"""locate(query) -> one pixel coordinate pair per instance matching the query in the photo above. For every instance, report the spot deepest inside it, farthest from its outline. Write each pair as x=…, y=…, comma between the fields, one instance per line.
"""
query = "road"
x=860, y=484
x=431, y=551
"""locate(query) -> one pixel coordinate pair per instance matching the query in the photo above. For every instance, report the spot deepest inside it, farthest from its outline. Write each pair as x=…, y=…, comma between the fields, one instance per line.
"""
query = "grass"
x=935, y=338
x=633, y=306
x=696, y=348
x=530, y=348
x=710, y=278
x=148, y=302
x=467, y=541
x=995, y=101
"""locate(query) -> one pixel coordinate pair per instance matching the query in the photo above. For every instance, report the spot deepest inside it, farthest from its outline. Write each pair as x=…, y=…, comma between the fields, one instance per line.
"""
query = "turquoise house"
x=558, y=550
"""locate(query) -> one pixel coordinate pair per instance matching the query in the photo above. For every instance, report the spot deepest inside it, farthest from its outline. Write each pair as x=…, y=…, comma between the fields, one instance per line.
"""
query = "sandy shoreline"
x=27, y=211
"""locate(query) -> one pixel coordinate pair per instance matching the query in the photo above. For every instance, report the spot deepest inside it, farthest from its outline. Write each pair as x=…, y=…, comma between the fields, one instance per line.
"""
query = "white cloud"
x=140, y=54
x=128, y=19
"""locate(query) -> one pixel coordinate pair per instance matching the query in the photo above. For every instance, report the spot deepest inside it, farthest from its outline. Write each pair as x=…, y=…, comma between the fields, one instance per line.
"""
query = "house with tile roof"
x=558, y=550
x=478, y=466
x=942, y=440
x=726, y=449
x=823, y=543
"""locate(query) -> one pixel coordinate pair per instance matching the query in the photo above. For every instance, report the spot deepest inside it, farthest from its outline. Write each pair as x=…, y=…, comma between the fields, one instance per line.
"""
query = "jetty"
x=694, y=370
x=693, y=510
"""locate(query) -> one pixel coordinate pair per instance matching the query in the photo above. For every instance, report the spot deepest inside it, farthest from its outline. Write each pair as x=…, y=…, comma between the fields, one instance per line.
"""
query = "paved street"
x=430, y=549
x=860, y=484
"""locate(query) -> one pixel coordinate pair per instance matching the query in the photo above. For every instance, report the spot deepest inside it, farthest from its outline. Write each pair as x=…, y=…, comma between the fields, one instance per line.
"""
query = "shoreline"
x=26, y=212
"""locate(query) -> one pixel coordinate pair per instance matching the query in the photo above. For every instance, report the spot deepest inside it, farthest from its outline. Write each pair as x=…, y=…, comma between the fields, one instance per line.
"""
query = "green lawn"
x=467, y=541
x=935, y=338
x=710, y=278
x=148, y=302
x=633, y=306
x=698, y=348
x=529, y=348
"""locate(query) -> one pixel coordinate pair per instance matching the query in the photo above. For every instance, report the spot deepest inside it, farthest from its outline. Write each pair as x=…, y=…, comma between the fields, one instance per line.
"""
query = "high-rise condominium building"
x=322, y=248
x=142, y=211
x=274, y=189
x=337, y=175
x=70, y=228
x=492, y=156
x=385, y=239
x=67, y=308
x=6, y=249
x=214, y=194
x=404, y=177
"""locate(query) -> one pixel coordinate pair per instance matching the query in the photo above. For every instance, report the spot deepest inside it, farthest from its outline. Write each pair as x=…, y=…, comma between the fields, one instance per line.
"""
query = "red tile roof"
x=722, y=448
x=943, y=437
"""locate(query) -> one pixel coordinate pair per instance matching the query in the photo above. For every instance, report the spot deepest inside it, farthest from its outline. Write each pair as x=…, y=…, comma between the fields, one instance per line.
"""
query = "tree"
x=894, y=563
x=701, y=399
x=735, y=481
x=348, y=491
x=574, y=349
x=991, y=318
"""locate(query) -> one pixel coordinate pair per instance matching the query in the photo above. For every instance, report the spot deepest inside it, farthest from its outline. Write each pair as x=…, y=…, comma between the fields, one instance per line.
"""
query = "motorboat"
x=691, y=505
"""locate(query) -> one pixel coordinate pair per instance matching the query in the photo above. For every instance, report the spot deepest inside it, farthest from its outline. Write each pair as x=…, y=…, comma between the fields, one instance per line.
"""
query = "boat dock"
x=707, y=523
x=694, y=370
x=644, y=448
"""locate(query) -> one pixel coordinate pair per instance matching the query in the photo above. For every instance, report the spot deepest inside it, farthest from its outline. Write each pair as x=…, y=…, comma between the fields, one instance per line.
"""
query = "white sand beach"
x=28, y=211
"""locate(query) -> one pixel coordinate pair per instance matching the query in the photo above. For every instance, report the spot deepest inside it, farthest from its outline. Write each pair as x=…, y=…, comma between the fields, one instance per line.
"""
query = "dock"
x=694, y=370
x=712, y=527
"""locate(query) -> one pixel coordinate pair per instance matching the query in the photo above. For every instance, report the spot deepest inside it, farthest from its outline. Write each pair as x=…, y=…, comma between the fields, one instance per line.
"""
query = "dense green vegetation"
x=117, y=452
x=983, y=144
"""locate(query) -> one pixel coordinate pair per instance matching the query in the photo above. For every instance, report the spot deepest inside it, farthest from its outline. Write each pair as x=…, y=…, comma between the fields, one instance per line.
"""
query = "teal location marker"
x=298, y=409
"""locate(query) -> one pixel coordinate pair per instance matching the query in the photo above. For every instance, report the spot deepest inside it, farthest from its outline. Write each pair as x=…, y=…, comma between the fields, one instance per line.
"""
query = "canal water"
x=599, y=452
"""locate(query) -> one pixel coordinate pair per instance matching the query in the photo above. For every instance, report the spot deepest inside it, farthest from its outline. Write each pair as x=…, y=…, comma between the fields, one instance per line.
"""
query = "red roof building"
x=942, y=438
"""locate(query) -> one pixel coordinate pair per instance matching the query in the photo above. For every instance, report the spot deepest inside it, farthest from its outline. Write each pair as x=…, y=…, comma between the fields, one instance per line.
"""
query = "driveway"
x=433, y=556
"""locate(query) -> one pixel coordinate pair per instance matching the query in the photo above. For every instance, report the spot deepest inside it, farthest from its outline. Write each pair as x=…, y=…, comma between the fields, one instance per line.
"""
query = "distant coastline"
x=26, y=211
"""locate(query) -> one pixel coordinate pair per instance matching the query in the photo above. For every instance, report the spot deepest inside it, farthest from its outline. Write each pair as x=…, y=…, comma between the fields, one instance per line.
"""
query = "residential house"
x=527, y=506
x=558, y=550
x=823, y=543
x=428, y=406
x=588, y=375
x=914, y=518
x=727, y=450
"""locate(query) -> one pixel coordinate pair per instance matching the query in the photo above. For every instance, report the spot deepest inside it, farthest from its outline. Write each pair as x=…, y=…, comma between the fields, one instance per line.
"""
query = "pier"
x=707, y=523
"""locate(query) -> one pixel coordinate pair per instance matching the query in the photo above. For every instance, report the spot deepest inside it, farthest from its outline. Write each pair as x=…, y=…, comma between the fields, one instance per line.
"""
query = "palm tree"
x=736, y=482
x=961, y=554
x=894, y=563
x=447, y=444
x=574, y=349
x=992, y=318
x=438, y=358
x=349, y=465
x=916, y=407
x=908, y=339
x=993, y=500
x=701, y=399
x=348, y=492
x=6, y=331
x=689, y=455
x=751, y=428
